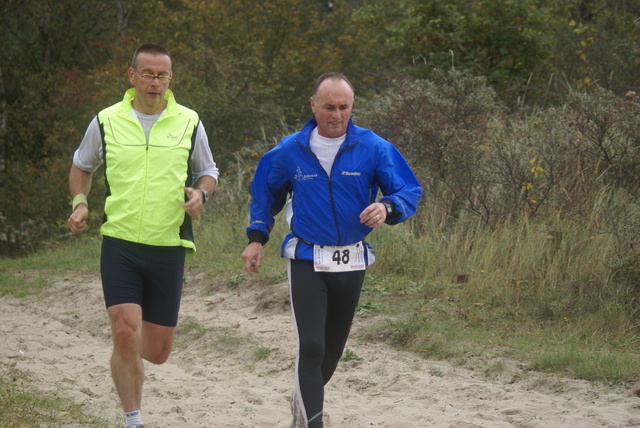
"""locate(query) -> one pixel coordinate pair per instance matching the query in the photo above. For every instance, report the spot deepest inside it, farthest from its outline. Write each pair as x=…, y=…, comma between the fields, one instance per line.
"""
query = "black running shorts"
x=149, y=276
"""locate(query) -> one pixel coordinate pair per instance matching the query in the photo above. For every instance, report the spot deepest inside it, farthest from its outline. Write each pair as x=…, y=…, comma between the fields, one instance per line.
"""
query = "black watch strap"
x=205, y=195
x=388, y=205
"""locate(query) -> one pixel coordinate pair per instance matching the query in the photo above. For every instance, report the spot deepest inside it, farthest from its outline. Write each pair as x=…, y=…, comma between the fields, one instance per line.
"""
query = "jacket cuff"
x=393, y=215
x=257, y=236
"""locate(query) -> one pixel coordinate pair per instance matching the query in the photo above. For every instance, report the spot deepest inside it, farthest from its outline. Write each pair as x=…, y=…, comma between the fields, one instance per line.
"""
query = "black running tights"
x=323, y=306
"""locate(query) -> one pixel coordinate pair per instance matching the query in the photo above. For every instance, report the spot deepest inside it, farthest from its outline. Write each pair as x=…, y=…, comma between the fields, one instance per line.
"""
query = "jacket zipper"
x=330, y=183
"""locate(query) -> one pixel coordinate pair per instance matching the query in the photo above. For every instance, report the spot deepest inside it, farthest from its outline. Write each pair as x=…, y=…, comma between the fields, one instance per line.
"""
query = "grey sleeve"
x=88, y=157
x=202, y=162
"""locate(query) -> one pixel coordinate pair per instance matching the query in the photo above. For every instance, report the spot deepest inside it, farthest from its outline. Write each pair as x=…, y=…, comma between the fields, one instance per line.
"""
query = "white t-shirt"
x=325, y=148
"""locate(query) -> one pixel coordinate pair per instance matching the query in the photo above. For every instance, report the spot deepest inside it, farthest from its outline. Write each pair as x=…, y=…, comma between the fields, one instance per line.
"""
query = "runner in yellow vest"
x=159, y=172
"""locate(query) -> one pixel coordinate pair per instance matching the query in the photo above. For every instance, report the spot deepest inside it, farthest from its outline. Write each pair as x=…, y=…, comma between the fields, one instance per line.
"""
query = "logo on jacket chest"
x=300, y=176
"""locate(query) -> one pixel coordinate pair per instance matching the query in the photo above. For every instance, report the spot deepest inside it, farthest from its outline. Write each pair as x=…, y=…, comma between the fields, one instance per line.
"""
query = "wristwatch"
x=205, y=195
x=388, y=205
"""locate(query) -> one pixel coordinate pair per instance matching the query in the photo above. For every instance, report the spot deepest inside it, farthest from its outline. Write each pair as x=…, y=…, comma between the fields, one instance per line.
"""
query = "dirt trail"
x=61, y=342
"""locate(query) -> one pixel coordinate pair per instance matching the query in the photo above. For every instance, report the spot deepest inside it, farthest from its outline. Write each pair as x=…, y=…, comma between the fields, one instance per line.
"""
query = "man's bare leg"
x=127, y=369
x=133, y=340
x=157, y=341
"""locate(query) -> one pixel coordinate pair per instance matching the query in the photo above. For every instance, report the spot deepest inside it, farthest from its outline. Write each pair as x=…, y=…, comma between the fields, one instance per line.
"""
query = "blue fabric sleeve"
x=269, y=191
x=398, y=183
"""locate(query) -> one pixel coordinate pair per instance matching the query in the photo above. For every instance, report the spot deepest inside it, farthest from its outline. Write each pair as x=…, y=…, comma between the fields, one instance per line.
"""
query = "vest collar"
x=126, y=106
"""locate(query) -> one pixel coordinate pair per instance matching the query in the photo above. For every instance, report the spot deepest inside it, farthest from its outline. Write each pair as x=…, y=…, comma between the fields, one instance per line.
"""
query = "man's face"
x=149, y=97
x=332, y=107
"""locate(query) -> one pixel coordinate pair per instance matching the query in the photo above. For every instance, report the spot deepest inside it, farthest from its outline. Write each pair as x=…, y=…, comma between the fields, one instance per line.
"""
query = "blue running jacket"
x=325, y=210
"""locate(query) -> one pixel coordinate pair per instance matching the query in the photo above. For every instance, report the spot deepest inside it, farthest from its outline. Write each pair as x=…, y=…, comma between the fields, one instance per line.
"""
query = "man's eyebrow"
x=149, y=70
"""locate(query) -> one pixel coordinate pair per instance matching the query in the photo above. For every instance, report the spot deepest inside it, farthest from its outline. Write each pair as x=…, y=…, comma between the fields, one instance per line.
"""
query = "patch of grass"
x=367, y=307
x=350, y=355
x=261, y=353
x=235, y=280
x=188, y=331
x=455, y=330
x=23, y=407
x=25, y=276
x=528, y=291
x=228, y=342
x=20, y=285
x=436, y=372
x=587, y=364
x=192, y=328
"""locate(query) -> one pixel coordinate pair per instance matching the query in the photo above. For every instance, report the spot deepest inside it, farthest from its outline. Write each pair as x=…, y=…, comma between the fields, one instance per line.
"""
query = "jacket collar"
x=305, y=133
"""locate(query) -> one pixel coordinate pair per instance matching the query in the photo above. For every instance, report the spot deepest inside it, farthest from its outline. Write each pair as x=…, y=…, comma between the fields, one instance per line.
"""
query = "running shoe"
x=298, y=418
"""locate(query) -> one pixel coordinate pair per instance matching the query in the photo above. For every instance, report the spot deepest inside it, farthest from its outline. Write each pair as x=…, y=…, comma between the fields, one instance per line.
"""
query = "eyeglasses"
x=164, y=78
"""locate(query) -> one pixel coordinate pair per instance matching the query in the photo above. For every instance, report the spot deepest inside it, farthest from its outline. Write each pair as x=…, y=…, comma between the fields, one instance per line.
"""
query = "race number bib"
x=338, y=259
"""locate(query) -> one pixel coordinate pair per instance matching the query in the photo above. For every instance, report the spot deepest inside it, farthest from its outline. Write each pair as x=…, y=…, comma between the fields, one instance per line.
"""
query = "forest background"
x=248, y=69
x=520, y=118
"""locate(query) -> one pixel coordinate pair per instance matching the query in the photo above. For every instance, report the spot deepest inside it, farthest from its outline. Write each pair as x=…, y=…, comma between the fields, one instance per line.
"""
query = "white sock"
x=132, y=418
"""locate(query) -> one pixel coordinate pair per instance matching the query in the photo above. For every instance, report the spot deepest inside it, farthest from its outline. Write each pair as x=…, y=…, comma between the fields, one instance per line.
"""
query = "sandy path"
x=61, y=342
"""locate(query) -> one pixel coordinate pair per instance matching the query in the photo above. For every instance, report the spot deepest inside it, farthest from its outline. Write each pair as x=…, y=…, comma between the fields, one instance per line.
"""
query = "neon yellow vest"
x=145, y=181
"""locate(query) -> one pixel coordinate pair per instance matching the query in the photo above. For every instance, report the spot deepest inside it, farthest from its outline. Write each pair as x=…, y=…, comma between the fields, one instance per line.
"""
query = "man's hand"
x=193, y=206
x=252, y=256
x=78, y=219
x=374, y=215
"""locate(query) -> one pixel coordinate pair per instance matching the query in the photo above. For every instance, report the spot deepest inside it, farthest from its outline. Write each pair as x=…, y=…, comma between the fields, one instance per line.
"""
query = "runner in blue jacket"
x=328, y=176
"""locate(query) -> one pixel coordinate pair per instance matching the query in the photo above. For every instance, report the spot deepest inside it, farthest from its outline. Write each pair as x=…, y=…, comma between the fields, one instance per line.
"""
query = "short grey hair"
x=331, y=75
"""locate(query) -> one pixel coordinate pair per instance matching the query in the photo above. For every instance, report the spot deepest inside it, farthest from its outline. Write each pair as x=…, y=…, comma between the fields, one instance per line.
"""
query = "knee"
x=312, y=351
x=156, y=348
x=125, y=338
x=125, y=328
x=159, y=356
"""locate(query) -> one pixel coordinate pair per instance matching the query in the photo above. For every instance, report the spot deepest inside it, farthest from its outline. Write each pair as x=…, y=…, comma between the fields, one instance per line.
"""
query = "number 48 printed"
x=341, y=258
